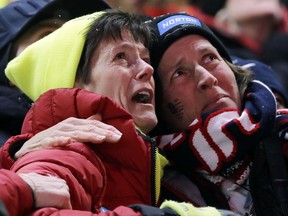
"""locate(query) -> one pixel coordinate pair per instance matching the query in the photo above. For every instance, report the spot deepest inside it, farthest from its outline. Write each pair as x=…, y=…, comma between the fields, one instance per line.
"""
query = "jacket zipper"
x=152, y=142
x=153, y=171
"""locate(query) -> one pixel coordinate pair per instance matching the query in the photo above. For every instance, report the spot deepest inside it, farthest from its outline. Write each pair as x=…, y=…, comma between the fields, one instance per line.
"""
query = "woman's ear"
x=78, y=84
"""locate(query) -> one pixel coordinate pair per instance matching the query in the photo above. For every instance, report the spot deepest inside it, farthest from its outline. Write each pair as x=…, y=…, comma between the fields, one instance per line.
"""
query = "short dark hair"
x=110, y=25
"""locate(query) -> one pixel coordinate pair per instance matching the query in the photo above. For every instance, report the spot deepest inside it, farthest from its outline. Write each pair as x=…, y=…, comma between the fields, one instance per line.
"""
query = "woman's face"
x=121, y=70
x=195, y=80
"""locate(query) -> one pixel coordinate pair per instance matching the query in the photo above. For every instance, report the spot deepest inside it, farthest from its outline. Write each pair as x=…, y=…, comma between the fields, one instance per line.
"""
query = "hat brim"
x=194, y=30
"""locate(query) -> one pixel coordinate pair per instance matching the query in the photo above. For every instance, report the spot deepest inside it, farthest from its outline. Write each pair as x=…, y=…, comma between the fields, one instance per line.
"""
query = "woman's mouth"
x=142, y=97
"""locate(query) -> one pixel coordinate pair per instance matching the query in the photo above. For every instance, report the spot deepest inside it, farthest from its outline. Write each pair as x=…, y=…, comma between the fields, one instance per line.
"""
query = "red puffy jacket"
x=108, y=174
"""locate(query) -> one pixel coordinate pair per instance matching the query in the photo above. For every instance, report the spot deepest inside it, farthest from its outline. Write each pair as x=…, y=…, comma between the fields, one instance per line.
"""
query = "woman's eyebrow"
x=130, y=45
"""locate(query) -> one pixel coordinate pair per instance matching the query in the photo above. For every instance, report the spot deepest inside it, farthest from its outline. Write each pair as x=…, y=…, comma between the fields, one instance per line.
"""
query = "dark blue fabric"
x=12, y=113
x=263, y=73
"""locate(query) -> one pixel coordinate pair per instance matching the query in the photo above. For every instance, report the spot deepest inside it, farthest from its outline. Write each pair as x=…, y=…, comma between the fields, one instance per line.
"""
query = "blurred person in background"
x=251, y=29
x=265, y=74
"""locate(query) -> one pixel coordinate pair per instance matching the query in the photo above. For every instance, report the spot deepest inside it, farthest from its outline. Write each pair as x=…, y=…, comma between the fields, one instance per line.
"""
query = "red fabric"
x=119, y=211
x=13, y=191
x=5, y=160
x=112, y=174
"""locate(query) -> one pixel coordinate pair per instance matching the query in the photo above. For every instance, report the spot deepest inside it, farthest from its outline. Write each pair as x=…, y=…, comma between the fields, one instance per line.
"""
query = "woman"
x=89, y=175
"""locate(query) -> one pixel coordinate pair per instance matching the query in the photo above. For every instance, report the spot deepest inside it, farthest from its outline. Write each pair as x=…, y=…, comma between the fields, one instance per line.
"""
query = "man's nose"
x=205, y=79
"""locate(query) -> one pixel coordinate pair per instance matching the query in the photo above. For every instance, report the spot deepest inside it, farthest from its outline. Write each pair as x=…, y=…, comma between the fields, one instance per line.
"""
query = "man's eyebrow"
x=206, y=48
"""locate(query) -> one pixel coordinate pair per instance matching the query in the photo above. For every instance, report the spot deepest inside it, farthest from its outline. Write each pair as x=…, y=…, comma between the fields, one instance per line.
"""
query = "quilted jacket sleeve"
x=76, y=164
x=119, y=211
x=8, y=150
x=13, y=193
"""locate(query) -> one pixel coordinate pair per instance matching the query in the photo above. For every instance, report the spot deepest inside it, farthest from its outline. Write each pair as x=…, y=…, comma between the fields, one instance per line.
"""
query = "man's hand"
x=49, y=191
x=72, y=129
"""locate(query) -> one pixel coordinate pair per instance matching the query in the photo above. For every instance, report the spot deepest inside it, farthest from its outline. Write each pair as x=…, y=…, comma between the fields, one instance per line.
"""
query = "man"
x=215, y=113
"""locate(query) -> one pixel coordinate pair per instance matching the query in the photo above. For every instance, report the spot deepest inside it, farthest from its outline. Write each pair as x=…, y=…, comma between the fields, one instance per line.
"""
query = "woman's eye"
x=147, y=60
x=120, y=56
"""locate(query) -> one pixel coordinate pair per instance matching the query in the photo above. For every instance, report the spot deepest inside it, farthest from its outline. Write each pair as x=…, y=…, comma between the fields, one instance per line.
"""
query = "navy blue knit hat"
x=18, y=16
x=168, y=28
x=263, y=73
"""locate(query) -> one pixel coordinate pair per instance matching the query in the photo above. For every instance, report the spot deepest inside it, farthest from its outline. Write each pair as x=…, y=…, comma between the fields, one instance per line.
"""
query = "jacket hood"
x=52, y=61
x=19, y=16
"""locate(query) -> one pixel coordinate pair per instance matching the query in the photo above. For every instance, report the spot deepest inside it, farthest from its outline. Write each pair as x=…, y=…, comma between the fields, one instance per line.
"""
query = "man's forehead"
x=194, y=40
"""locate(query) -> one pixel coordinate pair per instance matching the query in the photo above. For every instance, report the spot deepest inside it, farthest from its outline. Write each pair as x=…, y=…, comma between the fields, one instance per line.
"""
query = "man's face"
x=121, y=70
x=195, y=80
x=35, y=33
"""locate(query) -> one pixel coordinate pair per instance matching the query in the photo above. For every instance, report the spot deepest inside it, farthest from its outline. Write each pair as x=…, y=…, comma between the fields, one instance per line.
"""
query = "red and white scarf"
x=221, y=142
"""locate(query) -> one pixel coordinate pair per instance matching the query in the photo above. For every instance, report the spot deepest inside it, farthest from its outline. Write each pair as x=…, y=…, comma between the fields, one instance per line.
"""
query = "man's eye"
x=212, y=57
x=177, y=74
x=209, y=58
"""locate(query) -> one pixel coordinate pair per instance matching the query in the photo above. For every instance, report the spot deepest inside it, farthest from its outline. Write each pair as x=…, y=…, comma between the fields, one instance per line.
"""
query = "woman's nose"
x=145, y=70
